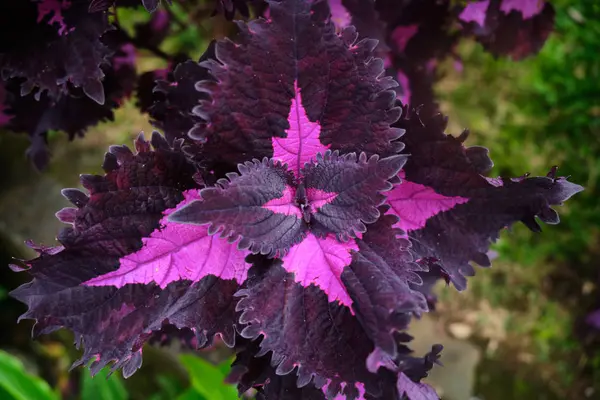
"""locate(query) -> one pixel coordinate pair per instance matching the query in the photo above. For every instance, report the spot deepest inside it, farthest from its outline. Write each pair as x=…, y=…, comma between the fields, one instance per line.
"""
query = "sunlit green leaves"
x=207, y=379
x=102, y=386
x=17, y=384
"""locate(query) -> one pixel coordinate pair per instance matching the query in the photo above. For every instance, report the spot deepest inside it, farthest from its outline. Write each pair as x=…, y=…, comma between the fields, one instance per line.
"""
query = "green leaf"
x=18, y=384
x=191, y=394
x=102, y=387
x=170, y=388
x=207, y=379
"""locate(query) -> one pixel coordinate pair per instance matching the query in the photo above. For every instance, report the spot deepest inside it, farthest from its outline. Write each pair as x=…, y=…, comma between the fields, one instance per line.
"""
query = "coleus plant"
x=302, y=220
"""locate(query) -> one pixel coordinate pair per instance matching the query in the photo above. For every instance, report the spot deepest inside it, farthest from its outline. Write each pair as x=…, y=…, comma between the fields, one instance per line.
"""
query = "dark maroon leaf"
x=172, y=100
x=317, y=342
x=509, y=27
x=379, y=283
x=321, y=339
x=465, y=232
x=339, y=81
x=250, y=371
x=122, y=208
x=419, y=34
x=66, y=43
x=257, y=207
x=345, y=191
x=151, y=5
x=72, y=112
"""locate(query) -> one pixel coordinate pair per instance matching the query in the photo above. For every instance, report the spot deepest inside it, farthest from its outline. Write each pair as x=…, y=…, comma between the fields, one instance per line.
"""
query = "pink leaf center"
x=318, y=198
x=339, y=14
x=320, y=261
x=475, y=12
x=302, y=142
x=178, y=252
x=414, y=204
x=286, y=204
x=529, y=8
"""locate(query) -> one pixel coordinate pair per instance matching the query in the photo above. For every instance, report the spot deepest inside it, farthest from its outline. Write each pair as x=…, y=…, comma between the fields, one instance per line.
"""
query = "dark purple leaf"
x=464, y=233
x=378, y=281
x=255, y=207
x=517, y=28
x=122, y=208
x=176, y=252
x=419, y=34
x=172, y=100
x=415, y=390
x=72, y=112
x=318, y=342
x=65, y=40
x=345, y=191
x=250, y=371
x=295, y=57
x=322, y=340
x=151, y=5
x=229, y=8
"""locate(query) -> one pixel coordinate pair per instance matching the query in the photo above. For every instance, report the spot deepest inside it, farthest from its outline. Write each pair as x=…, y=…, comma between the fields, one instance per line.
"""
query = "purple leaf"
x=68, y=53
x=54, y=9
x=298, y=325
x=229, y=8
x=415, y=390
x=257, y=79
x=74, y=110
x=320, y=262
x=172, y=100
x=475, y=12
x=301, y=143
x=315, y=341
x=517, y=28
x=350, y=190
x=366, y=20
x=177, y=252
x=123, y=207
x=250, y=371
x=378, y=282
x=529, y=8
x=242, y=207
x=414, y=204
x=464, y=233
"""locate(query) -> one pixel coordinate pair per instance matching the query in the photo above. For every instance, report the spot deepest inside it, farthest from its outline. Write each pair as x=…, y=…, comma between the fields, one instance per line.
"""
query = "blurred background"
x=520, y=331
